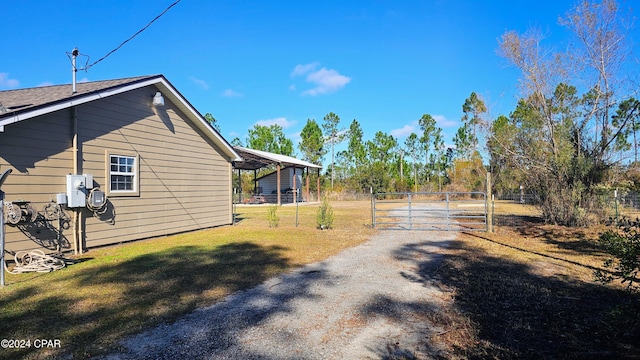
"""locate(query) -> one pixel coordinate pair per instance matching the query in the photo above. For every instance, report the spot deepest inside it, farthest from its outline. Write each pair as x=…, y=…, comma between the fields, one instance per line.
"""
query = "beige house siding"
x=184, y=182
x=40, y=154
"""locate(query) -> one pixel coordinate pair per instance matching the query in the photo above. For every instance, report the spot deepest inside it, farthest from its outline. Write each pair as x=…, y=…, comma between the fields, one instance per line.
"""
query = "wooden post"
x=255, y=182
x=278, y=182
x=239, y=199
x=489, y=208
x=307, y=192
x=295, y=190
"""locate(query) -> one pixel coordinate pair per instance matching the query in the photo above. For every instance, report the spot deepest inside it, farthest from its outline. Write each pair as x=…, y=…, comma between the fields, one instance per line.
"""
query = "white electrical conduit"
x=34, y=261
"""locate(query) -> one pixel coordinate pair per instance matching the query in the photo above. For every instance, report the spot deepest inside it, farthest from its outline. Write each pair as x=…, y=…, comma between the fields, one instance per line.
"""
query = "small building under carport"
x=282, y=185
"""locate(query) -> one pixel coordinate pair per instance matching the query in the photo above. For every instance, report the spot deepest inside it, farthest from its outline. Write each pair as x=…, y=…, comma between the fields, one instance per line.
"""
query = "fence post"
x=410, y=217
x=489, y=195
x=373, y=209
x=233, y=207
x=448, y=222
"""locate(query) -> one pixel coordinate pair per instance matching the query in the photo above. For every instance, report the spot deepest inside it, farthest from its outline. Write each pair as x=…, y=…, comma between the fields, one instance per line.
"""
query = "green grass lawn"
x=120, y=290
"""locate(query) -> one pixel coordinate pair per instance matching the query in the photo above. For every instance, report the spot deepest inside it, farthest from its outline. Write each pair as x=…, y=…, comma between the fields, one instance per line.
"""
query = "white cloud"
x=8, y=83
x=230, y=93
x=44, y=83
x=83, y=80
x=443, y=122
x=325, y=80
x=283, y=122
x=403, y=131
x=304, y=69
x=203, y=84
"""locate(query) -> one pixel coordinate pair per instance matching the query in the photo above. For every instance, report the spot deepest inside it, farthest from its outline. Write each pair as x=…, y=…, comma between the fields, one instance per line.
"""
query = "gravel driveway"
x=366, y=302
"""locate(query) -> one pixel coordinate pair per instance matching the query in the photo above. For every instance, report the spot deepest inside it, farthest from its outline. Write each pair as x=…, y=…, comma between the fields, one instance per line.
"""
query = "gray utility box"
x=76, y=196
x=77, y=190
x=61, y=199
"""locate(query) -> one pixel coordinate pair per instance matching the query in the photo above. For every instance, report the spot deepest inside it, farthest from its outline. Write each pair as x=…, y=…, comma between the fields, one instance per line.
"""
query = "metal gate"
x=451, y=211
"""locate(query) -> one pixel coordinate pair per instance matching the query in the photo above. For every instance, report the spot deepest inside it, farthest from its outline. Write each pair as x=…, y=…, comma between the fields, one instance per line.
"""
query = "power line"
x=134, y=35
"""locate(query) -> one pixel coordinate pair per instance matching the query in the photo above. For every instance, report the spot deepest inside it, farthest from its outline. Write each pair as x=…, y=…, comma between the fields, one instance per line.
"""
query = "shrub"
x=324, y=216
x=272, y=216
x=624, y=246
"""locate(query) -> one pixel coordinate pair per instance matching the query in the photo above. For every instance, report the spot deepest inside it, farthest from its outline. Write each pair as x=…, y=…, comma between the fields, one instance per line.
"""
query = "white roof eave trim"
x=191, y=112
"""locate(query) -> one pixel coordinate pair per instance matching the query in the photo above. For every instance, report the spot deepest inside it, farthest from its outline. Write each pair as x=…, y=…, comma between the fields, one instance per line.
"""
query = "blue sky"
x=384, y=63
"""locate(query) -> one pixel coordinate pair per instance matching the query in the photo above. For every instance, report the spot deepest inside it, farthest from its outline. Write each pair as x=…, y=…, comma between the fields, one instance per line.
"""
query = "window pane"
x=122, y=170
x=121, y=182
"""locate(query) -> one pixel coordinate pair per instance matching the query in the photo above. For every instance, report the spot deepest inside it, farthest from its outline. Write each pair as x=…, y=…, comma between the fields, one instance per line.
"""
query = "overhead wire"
x=87, y=67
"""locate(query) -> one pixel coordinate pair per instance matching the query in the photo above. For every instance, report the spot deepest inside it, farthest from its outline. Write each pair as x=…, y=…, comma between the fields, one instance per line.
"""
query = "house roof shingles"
x=17, y=101
x=22, y=104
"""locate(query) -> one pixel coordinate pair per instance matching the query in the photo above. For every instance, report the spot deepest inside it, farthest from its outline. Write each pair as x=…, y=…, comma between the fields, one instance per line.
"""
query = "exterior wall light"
x=158, y=100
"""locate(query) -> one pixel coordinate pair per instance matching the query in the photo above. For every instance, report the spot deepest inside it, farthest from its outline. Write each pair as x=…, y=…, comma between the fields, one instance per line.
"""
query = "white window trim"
x=135, y=173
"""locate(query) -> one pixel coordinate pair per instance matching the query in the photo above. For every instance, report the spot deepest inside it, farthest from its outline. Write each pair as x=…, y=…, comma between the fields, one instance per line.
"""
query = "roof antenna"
x=74, y=70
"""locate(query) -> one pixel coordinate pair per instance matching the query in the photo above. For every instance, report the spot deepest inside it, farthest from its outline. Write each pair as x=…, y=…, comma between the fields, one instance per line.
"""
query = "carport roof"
x=256, y=159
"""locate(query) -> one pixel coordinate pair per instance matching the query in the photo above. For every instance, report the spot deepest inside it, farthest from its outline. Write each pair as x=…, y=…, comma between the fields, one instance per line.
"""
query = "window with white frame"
x=123, y=172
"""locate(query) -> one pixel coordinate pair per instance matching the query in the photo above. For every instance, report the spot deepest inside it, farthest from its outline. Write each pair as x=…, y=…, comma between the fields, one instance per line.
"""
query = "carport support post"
x=295, y=190
x=278, y=182
x=307, y=192
x=239, y=199
x=489, y=211
x=255, y=182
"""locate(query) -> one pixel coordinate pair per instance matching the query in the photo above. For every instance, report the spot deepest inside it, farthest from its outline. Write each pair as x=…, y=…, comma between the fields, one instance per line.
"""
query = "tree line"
x=421, y=162
x=572, y=134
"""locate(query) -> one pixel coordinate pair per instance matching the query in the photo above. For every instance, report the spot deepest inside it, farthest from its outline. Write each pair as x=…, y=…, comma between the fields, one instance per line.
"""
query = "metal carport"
x=257, y=159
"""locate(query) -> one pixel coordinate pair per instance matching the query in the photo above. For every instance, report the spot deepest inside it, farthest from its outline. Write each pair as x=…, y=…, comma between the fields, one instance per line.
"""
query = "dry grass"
x=510, y=208
x=522, y=292
x=120, y=290
x=529, y=292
